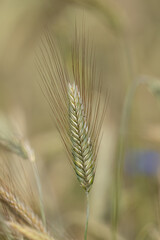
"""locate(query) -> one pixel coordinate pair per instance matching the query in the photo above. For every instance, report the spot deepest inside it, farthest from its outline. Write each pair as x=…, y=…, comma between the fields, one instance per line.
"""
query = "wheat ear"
x=82, y=151
x=28, y=232
x=19, y=209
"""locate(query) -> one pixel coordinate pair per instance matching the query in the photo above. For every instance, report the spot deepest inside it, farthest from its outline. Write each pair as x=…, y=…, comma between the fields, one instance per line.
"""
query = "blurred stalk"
x=128, y=57
x=119, y=166
x=35, y=170
x=150, y=82
x=31, y=158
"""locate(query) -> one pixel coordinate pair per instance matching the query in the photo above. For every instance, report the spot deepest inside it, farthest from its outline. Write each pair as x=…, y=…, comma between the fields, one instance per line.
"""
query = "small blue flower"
x=145, y=162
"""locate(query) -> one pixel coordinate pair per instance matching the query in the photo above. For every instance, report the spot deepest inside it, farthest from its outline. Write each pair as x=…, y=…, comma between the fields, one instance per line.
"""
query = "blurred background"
x=127, y=41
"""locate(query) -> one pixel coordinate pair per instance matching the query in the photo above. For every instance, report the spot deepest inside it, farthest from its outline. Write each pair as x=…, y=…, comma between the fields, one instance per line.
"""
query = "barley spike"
x=82, y=151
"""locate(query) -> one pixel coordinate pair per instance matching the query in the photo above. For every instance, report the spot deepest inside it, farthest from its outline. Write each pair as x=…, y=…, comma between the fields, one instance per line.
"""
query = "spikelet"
x=74, y=96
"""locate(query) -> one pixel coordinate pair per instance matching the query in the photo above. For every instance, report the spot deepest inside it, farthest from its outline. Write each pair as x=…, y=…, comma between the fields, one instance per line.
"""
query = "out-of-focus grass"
x=127, y=40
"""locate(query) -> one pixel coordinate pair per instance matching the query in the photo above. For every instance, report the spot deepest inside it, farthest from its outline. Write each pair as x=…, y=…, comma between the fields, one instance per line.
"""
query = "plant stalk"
x=87, y=216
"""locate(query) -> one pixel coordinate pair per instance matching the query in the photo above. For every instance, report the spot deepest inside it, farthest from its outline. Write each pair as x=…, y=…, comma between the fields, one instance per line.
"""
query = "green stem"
x=87, y=216
x=121, y=151
x=35, y=170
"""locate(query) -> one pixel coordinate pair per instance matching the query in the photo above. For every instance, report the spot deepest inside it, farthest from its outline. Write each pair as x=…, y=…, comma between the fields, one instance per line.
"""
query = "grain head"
x=74, y=96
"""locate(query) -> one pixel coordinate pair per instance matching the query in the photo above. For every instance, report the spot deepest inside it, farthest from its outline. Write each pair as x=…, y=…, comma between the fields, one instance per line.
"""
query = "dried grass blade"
x=28, y=232
x=19, y=209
